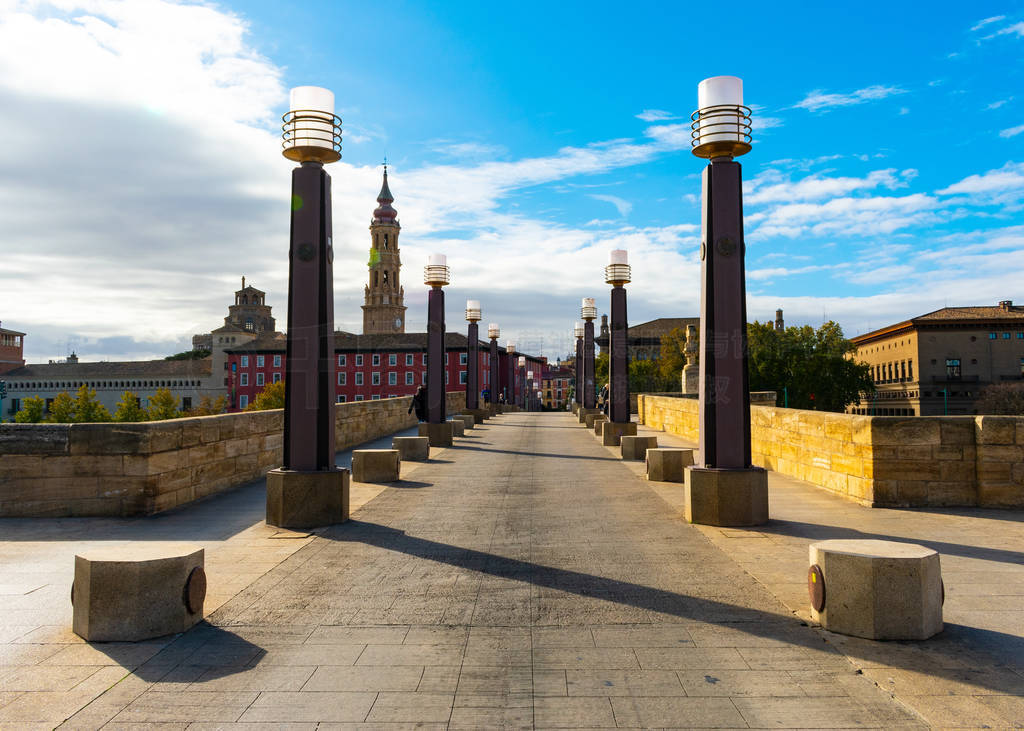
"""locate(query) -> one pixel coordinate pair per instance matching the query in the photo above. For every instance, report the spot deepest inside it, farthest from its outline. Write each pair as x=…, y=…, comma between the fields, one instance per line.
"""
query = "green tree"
x=672, y=359
x=600, y=371
x=812, y=365
x=208, y=406
x=128, y=408
x=32, y=410
x=198, y=354
x=62, y=409
x=645, y=376
x=87, y=408
x=163, y=405
x=271, y=397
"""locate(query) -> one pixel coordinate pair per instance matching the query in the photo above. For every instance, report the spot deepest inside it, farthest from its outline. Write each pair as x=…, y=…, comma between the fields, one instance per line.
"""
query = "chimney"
x=1006, y=305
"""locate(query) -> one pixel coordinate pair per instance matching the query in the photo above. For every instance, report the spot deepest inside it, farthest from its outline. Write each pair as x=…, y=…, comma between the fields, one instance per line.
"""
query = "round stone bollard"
x=138, y=591
x=880, y=590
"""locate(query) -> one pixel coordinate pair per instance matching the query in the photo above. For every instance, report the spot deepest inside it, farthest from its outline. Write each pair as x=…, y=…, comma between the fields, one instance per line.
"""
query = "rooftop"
x=105, y=369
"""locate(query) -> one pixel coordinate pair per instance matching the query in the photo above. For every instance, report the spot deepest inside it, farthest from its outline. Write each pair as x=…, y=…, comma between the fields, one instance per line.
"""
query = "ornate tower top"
x=384, y=212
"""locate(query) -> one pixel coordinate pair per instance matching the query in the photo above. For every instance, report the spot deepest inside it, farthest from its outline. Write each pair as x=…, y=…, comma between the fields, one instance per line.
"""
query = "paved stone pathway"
x=524, y=578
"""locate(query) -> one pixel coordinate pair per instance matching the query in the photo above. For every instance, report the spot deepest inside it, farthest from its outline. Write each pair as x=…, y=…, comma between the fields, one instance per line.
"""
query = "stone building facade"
x=12, y=350
x=939, y=362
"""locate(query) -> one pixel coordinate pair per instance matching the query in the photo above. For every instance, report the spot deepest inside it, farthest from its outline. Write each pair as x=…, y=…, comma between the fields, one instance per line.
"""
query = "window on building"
x=408, y=378
x=340, y=399
x=903, y=370
x=375, y=378
x=952, y=368
x=992, y=336
x=260, y=360
x=359, y=379
x=408, y=359
x=462, y=377
x=910, y=369
x=359, y=397
x=243, y=401
x=277, y=377
x=424, y=379
x=186, y=403
x=393, y=359
x=342, y=378
x=463, y=359
x=424, y=359
x=245, y=361
x=1020, y=336
x=245, y=380
x=446, y=378
x=277, y=361
x=375, y=397
x=359, y=360
x=446, y=358
x=376, y=359
x=392, y=378
x=1022, y=367
x=259, y=379
x=341, y=360
x=1006, y=336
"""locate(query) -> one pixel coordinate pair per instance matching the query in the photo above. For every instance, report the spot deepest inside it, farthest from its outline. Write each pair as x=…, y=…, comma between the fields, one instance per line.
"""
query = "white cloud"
x=847, y=216
x=1012, y=131
x=621, y=205
x=771, y=187
x=818, y=100
x=997, y=104
x=1015, y=29
x=982, y=23
x=656, y=115
x=1004, y=186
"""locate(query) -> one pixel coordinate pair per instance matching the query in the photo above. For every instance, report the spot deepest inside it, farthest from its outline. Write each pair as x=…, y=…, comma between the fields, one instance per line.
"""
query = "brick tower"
x=384, y=308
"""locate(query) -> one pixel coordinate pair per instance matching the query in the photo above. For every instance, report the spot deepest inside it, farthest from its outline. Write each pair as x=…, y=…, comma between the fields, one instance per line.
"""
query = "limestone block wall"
x=130, y=469
x=877, y=460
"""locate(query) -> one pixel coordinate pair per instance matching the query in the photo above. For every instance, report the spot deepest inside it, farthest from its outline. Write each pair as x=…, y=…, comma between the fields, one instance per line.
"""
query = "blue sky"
x=526, y=140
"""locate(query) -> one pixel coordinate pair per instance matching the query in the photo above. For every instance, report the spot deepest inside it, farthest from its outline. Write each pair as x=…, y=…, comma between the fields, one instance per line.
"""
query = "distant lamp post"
x=436, y=274
x=472, y=356
x=617, y=274
x=510, y=394
x=724, y=487
x=494, y=332
x=522, y=381
x=308, y=490
x=588, y=311
x=529, y=388
x=578, y=333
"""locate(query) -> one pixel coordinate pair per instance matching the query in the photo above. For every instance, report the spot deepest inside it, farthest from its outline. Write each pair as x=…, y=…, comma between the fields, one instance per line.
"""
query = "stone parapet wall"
x=882, y=461
x=126, y=469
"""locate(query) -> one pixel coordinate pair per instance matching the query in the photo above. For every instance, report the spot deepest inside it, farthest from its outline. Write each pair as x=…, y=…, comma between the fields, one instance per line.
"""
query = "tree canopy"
x=32, y=410
x=271, y=397
x=163, y=405
x=128, y=409
x=197, y=354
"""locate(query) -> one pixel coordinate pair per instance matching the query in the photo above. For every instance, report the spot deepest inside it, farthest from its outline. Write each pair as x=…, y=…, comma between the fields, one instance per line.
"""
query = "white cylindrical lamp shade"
x=617, y=271
x=510, y=347
x=493, y=331
x=522, y=361
x=721, y=124
x=618, y=256
x=473, y=310
x=589, y=309
x=436, y=272
x=529, y=374
x=578, y=330
x=310, y=129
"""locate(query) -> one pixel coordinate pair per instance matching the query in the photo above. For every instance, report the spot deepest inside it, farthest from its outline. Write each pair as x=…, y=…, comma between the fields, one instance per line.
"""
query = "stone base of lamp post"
x=307, y=499
x=612, y=433
x=479, y=414
x=726, y=497
x=691, y=379
x=440, y=435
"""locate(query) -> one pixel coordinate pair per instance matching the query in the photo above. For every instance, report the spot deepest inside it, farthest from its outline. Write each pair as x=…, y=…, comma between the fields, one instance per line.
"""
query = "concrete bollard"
x=587, y=417
x=612, y=432
x=137, y=592
x=458, y=427
x=635, y=448
x=880, y=590
x=467, y=419
x=412, y=449
x=666, y=464
x=376, y=465
x=593, y=422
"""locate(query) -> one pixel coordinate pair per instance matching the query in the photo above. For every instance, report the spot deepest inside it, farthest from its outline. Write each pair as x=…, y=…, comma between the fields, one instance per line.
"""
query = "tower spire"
x=384, y=307
x=384, y=212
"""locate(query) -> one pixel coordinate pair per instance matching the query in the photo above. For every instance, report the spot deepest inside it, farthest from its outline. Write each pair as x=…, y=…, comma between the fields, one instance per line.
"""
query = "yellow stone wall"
x=119, y=469
x=877, y=460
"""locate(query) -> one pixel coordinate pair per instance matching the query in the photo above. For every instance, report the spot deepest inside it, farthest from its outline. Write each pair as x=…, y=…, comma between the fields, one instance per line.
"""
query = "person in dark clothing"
x=419, y=403
x=602, y=399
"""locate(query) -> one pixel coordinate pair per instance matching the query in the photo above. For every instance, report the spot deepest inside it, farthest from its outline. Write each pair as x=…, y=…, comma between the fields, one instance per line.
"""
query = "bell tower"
x=384, y=307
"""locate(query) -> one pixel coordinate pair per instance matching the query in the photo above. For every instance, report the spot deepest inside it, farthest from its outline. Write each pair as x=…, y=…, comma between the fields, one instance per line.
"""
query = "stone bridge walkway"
x=525, y=578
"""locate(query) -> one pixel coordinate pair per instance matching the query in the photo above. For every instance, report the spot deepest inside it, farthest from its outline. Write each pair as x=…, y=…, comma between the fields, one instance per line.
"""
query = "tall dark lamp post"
x=473, y=316
x=308, y=490
x=723, y=488
x=494, y=332
x=577, y=393
x=588, y=311
x=618, y=274
x=436, y=274
x=529, y=389
x=510, y=395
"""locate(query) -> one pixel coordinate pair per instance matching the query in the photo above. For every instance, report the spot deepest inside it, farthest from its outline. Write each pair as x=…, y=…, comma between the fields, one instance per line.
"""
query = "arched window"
x=385, y=241
x=376, y=278
x=385, y=277
x=249, y=324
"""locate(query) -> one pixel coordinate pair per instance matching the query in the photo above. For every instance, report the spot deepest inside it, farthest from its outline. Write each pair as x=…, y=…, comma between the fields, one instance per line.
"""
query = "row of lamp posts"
x=723, y=487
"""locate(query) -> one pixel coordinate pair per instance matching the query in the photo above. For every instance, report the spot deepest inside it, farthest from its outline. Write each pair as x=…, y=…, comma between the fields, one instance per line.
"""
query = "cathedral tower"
x=384, y=308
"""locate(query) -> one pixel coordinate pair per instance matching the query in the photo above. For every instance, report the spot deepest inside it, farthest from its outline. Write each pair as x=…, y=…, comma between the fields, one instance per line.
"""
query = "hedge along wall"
x=882, y=461
x=127, y=469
